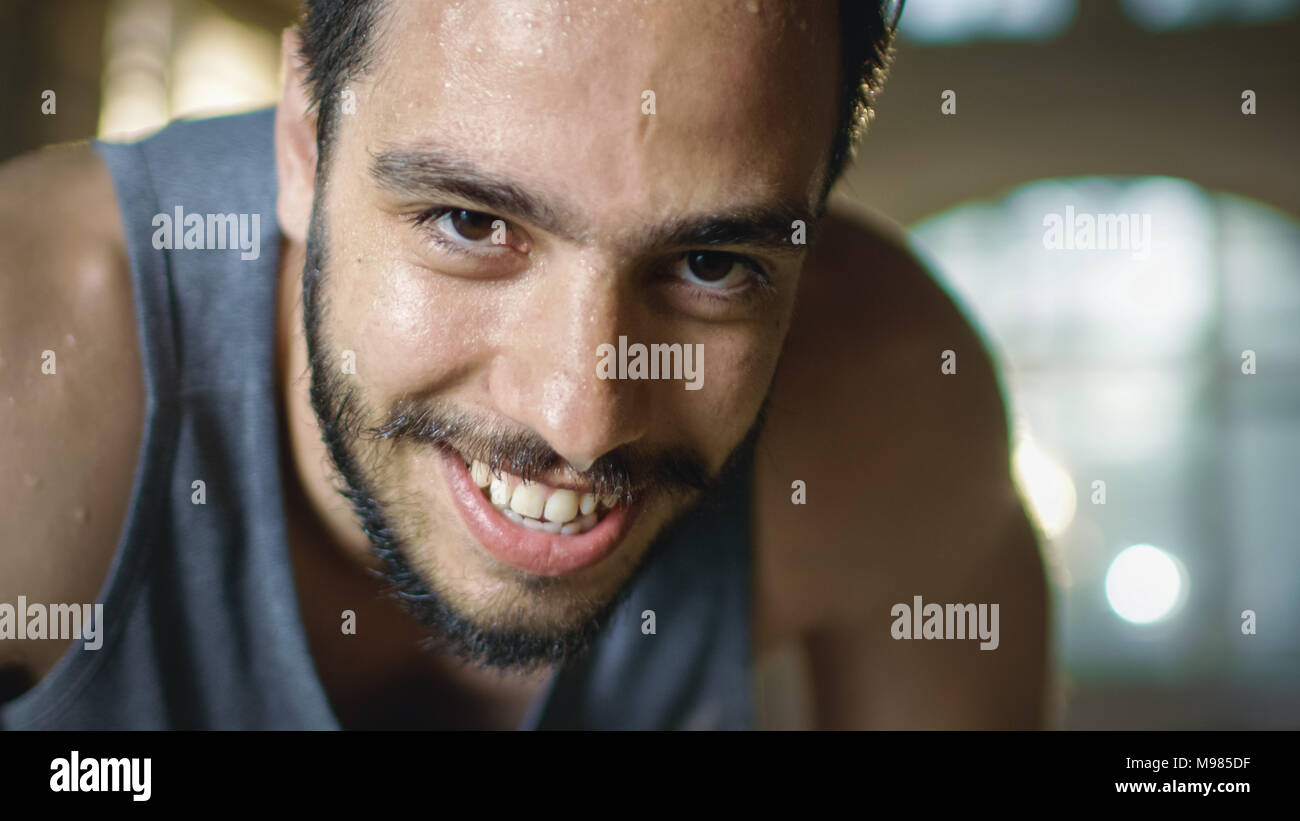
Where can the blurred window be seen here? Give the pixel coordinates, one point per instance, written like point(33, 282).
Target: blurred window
point(958, 21)
point(1123, 364)
point(955, 21)
point(1164, 15)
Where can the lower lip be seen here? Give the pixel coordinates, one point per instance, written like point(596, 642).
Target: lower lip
point(532, 551)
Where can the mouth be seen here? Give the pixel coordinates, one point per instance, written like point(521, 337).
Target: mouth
point(531, 526)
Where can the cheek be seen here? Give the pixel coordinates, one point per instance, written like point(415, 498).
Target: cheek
point(410, 329)
point(737, 373)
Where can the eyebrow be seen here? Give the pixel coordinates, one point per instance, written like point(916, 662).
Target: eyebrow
point(431, 174)
point(766, 226)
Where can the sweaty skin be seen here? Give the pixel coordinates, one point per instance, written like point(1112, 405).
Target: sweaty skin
point(520, 347)
point(907, 471)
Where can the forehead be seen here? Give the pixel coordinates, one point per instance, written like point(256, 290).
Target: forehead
point(554, 94)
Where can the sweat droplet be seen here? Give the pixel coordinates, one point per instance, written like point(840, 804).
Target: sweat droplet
point(79, 515)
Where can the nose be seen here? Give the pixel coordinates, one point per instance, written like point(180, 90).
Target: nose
point(546, 378)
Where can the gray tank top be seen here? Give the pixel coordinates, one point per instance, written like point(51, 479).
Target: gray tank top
point(201, 622)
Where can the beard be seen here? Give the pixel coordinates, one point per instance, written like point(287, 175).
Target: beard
point(357, 438)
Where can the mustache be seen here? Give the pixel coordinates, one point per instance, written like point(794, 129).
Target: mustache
point(627, 471)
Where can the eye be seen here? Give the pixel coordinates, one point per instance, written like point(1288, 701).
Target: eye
point(470, 227)
point(462, 232)
point(717, 270)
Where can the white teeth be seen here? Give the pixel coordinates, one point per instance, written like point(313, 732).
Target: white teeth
point(539, 507)
point(562, 506)
point(500, 492)
point(579, 525)
point(533, 524)
point(529, 500)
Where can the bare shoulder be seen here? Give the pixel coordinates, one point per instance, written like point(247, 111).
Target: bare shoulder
point(905, 471)
point(71, 391)
point(902, 464)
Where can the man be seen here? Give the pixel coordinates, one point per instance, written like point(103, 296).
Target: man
point(484, 512)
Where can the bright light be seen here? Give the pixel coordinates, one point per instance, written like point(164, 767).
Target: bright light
point(135, 70)
point(1046, 486)
point(201, 63)
point(220, 65)
point(1144, 584)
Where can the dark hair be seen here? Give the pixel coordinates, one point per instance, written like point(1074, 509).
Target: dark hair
point(337, 36)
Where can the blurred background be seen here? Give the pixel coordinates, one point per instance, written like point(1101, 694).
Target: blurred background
point(1164, 478)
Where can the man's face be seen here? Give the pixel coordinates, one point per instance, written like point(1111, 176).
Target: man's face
point(645, 162)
